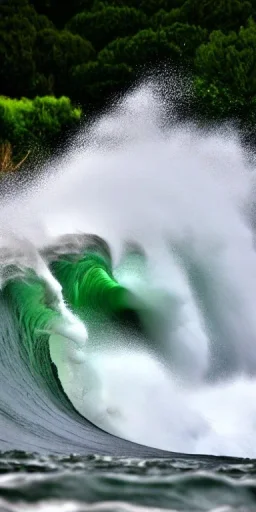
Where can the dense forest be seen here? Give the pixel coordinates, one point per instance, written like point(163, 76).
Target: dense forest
point(60, 60)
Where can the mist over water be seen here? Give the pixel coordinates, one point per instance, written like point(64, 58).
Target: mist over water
point(137, 176)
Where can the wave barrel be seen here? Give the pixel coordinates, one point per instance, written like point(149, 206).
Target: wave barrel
point(89, 286)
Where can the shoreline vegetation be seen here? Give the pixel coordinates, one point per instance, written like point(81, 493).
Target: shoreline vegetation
point(60, 64)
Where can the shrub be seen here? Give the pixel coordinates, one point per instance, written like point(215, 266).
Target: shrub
point(40, 122)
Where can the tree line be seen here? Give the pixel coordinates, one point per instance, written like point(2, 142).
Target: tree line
point(90, 50)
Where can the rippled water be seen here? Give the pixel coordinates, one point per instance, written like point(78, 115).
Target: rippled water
point(30, 482)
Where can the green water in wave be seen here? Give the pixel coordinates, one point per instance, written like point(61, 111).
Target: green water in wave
point(88, 287)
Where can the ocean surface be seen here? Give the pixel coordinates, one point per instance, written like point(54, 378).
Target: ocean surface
point(97, 483)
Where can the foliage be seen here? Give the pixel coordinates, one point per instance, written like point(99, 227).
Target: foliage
point(61, 12)
point(216, 103)
point(56, 52)
point(187, 37)
point(164, 18)
point(107, 24)
point(217, 14)
point(35, 57)
point(97, 80)
point(226, 83)
point(25, 123)
point(230, 61)
point(20, 10)
point(152, 6)
point(17, 70)
point(91, 50)
point(143, 48)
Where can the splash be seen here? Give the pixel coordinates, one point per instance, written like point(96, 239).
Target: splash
point(167, 205)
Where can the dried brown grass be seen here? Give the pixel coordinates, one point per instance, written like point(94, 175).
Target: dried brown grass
point(7, 163)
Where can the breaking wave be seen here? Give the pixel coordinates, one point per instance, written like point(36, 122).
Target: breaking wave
point(128, 293)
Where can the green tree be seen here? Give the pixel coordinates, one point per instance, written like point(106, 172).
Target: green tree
point(95, 82)
point(148, 6)
point(146, 47)
point(103, 26)
point(19, 23)
point(163, 18)
point(23, 10)
point(215, 102)
point(217, 14)
point(56, 52)
point(187, 37)
point(230, 61)
point(61, 12)
point(153, 6)
point(226, 69)
point(17, 70)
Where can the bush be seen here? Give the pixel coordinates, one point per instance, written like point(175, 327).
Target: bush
point(40, 122)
